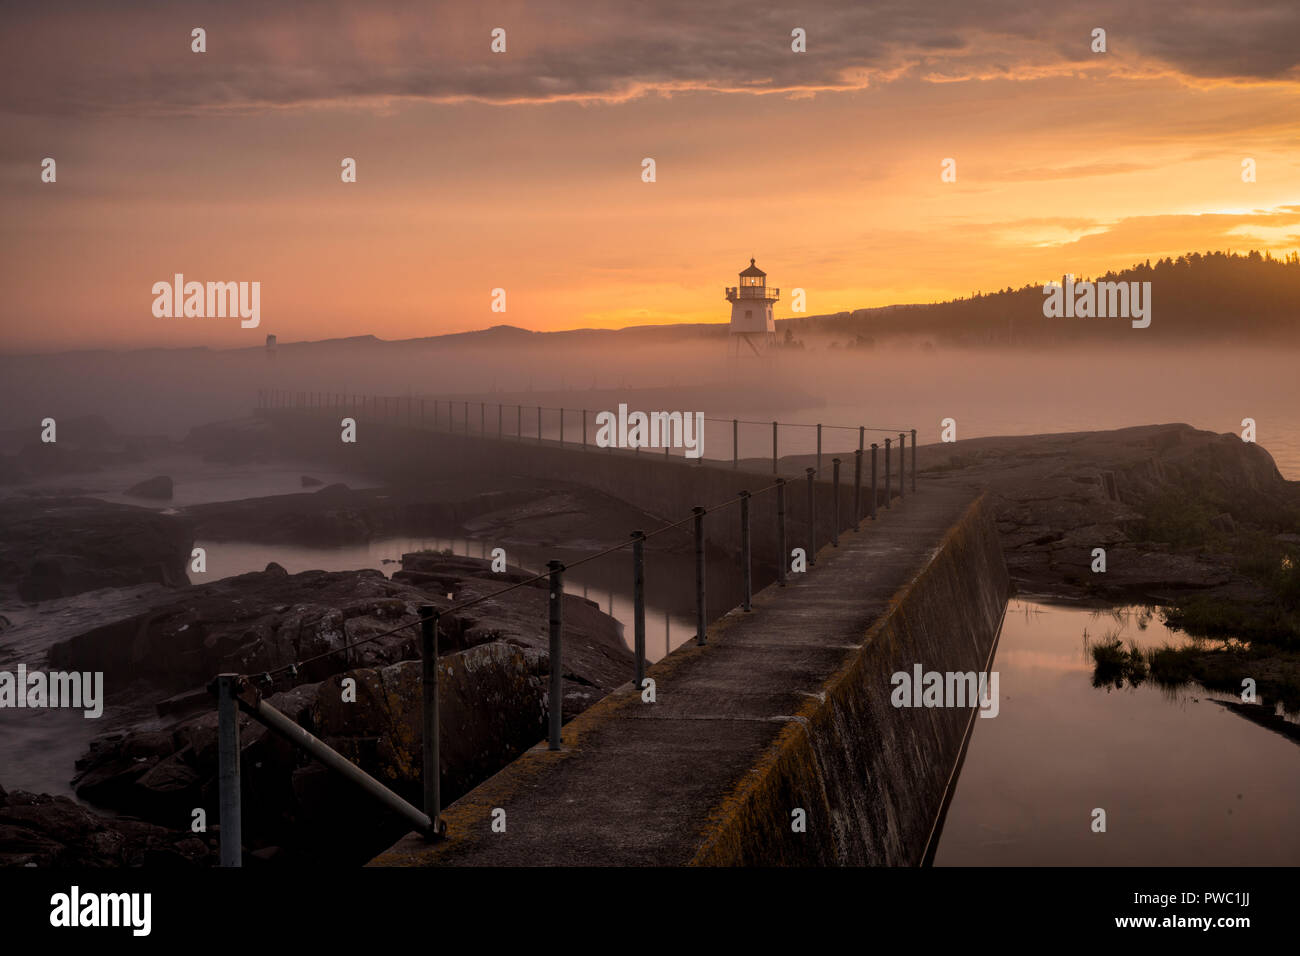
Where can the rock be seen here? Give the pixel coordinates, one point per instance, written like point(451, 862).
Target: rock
point(336, 514)
point(383, 729)
point(160, 486)
point(493, 706)
point(44, 830)
point(594, 650)
point(236, 624)
point(330, 516)
point(232, 625)
point(1153, 496)
point(1223, 522)
point(56, 547)
point(310, 482)
point(84, 444)
point(186, 702)
point(493, 692)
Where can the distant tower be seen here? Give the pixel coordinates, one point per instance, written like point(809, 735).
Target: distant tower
point(270, 346)
point(751, 312)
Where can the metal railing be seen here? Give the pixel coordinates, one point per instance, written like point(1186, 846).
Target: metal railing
point(243, 692)
point(732, 293)
point(571, 426)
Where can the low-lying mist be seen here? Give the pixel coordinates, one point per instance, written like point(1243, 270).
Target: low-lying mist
point(898, 384)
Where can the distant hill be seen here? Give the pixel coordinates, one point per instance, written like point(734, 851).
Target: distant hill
point(1197, 297)
point(510, 335)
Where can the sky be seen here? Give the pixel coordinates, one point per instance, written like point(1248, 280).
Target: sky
point(523, 170)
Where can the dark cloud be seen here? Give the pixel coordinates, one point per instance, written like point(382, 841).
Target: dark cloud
point(79, 58)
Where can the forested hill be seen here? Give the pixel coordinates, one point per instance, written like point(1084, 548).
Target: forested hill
point(1198, 297)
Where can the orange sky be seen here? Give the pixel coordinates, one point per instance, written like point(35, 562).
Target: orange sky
point(523, 170)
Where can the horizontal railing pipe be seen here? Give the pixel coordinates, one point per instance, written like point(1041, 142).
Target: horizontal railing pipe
point(282, 726)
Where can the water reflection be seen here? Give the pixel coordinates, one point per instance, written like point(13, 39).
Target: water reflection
point(1183, 780)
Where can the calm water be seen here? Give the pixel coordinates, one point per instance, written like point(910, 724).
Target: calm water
point(1182, 780)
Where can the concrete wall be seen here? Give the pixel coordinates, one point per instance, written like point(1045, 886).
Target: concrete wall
point(874, 778)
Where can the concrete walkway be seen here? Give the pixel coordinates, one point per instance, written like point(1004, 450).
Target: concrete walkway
point(637, 783)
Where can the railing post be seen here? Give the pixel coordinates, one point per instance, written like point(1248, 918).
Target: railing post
point(735, 443)
point(857, 489)
point(700, 623)
point(774, 455)
point(781, 556)
point(482, 418)
point(519, 423)
point(819, 448)
point(874, 449)
point(421, 413)
point(889, 475)
point(228, 770)
point(835, 505)
point(913, 461)
point(902, 463)
point(584, 428)
point(539, 424)
point(556, 715)
point(501, 427)
point(748, 604)
point(561, 424)
point(465, 419)
point(638, 604)
point(812, 518)
point(432, 732)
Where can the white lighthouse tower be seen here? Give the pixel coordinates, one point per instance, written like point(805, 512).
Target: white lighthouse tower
point(752, 323)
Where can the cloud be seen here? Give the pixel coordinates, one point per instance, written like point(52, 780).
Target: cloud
point(94, 58)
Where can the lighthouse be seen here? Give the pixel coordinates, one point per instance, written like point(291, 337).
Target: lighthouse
point(752, 323)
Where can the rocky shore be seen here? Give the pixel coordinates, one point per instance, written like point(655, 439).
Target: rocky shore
point(1170, 504)
point(54, 547)
point(1201, 524)
point(1191, 520)
point(494, 693)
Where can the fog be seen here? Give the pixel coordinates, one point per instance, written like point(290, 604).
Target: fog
point(892, 385)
